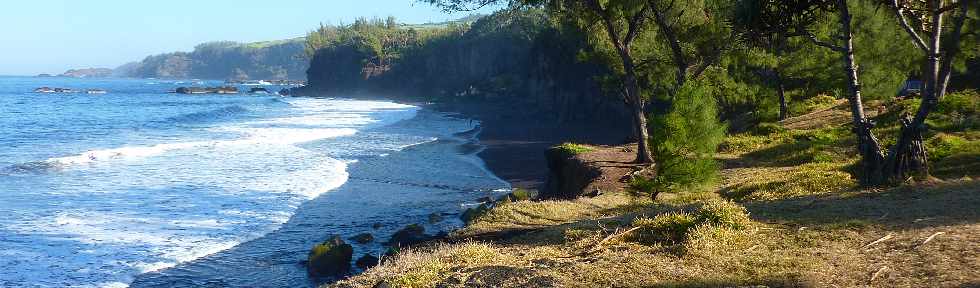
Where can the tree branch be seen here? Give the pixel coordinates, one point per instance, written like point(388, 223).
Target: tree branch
point(946, 69)
point(899, 12)
point(813, 38)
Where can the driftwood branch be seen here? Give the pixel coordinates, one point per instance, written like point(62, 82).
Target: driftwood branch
point(882, 239)
point(933, 236)
point(598, 245)
point(878, 273)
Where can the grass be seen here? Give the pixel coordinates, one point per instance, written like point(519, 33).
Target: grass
point(787, 213)
point(574, 149)
point(816, 103)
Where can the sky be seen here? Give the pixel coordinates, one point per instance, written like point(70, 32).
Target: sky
point(52, 36)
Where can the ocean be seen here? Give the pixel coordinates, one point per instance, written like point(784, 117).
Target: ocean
point(145, 188)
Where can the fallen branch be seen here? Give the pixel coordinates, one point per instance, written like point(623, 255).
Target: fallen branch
point(931, 237)
point(878, 273)
point(598, 245)
point(882, 239)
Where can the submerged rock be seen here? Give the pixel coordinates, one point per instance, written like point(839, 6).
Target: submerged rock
point(435, 218)
point(366, 261)
point(363, 238)
point(330, 258)
point(408, 236)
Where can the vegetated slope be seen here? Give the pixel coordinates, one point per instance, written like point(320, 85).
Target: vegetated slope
point(786, 213)
point(282, 59)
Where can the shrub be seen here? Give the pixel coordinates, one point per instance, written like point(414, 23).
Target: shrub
point(686, 139)
point(642, 186)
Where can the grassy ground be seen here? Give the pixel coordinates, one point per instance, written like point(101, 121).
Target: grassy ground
point(787, 213)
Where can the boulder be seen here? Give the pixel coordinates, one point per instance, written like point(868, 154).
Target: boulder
point(366, 261)
point(363, 238)
point(330, 258)
point(408, 236)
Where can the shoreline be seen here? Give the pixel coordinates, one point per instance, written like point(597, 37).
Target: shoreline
point(404, 187)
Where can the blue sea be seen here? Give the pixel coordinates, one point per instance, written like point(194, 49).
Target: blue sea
point(145, 188)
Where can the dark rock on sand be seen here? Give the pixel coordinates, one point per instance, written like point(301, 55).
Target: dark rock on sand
point(363, 238)
point(331, 258)
point(366, 261)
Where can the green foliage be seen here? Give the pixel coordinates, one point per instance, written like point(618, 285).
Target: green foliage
point(573, 148)
point(685, 139)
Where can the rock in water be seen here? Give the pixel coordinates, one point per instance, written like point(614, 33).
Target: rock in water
point(366, 261)
point(408, 236)
point(363, 238)
point(330, 258)
point(435, 218)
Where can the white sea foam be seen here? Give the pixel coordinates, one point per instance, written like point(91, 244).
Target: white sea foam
point(136, 209)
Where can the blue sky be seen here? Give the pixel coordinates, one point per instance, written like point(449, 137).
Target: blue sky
point(51, 36)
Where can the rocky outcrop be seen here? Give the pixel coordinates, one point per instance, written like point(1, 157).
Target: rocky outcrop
point(88, 73)
point(330, 258)
point(410, 235)
point(207, 90)
point(568, 175)
point(363, 238)
point(366, 261)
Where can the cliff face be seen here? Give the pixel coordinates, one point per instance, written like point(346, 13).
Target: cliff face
point(538, 78)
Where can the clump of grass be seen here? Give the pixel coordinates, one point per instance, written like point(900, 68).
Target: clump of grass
point(573, 148)
point(806, 179)
point(674, 227)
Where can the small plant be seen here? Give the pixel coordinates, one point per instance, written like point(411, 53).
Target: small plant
point(573, 148)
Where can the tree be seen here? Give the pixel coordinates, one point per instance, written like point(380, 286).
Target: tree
point(620, 25)
point(908, 156)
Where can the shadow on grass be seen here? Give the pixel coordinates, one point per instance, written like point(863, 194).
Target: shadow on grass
point(919, 205)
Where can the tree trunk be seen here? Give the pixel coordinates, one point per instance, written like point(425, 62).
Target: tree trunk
point(643, 155)
point(868, 146)
point(781, 91)
point(908, 158)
